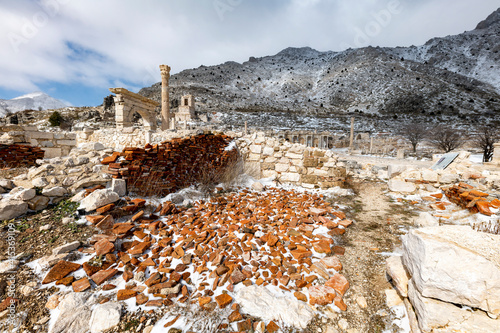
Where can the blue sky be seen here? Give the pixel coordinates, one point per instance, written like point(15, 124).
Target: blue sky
point(76, 49)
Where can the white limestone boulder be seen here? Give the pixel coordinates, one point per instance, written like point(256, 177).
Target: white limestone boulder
point(10, 209)
point(105, 316)
point(396, 185)
point(98, 199)
point(455, 264)
point(57, 191)
point(25, 194)
point(7, 184)
point(75, 311)
point(395, 269)
point(39, 182)
point(441, 317)
point(425, 219)
point(119, 186)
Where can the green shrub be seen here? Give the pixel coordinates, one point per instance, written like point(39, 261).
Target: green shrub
point(55, 119)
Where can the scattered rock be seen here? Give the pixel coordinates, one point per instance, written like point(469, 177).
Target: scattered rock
point(396, 185)
point(98, 199)
point(66, 248)
point(105, 316)
point(10, 209)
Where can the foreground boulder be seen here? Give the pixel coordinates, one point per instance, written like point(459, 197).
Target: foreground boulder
point(455, 264)
point(10, 209)
point(441, 317)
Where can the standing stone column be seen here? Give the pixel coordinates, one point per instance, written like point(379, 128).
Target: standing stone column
point(165, 101)
point(351, 139)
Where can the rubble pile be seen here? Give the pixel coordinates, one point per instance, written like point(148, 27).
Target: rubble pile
point(170, 166)
point(207, 253)
point(14, 155)
point(466, 196)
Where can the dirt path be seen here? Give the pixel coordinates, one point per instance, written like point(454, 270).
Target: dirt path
point(376, 230)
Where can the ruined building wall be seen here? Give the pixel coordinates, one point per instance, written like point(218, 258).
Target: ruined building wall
point(290, 163)
point(54, 144)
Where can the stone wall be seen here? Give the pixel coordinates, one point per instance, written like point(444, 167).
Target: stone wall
point(54, 144)
point(118, 139)
point(290, 163)
point(15, 155)
point(173, 165)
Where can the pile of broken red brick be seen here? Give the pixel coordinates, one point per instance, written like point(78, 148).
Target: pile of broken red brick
point(466, 196)
point(276, 238)
point(172, 165)
point(15, 155)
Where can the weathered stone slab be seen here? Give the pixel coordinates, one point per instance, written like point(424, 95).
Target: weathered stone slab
point(455, 264)
point(441, 317)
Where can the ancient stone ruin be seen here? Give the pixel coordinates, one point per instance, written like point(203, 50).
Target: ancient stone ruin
point(127, 103)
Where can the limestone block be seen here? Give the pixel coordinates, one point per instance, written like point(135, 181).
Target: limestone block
point(290, 177)
point(297, 149)
point(269, 174)
point(40, 135)
point(395, 269)
point(449, 178)
point(267, 166)
point(297, 162)
point(455, 264)
point(52, 152)
point(268, 151)
point(70, 136)
point(284, 160)
point(98, 199)
point(253, 157)
point(33, 142)
point(293, 168)
point(119, 186)
point(441, 317)
point(394, 170)
point(426, 219)
point(48, 144)
point(429, 175)
point(396, 185)
point(282, 167)
point(319, 153)
point(320, 172)
point(256, 149)
point(291, 155)
point(309, 179)
point(310, 162)
point(66, 142)
point(270, 160)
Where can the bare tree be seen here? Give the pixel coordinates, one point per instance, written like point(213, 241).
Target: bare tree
point(446, 138)
point(485, 138)
point(415, 133)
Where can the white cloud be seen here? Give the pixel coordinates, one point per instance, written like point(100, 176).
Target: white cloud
point(122, 42)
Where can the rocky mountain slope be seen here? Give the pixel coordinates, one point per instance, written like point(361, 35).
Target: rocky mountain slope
point(455, 75)
point(32, 101)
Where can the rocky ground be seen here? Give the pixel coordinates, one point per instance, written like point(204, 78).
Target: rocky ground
point(245, 255)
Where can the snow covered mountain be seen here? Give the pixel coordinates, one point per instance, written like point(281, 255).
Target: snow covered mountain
point(32, 101)
point(455, 75)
